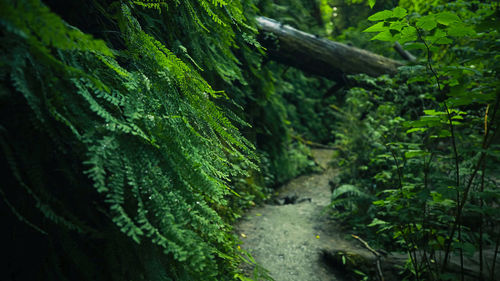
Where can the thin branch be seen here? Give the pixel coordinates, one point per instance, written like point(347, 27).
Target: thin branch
point(497, 243)
point(457, 168)
point(486, 142)
point(377, 255)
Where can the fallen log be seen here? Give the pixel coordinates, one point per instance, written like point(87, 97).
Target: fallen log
point(404, 53)
point(391, 264)
point(318, 55)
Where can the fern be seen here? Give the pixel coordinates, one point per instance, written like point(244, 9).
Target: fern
point(350, 198)
point(152, 4)
point(53, 31)
point(210, 12)
point(134, 148)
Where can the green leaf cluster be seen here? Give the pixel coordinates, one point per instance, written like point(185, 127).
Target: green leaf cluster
point(128, 140)
point(438, 154)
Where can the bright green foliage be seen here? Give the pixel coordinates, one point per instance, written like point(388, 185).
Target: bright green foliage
point(367, 121)
point(138, 115)
point(433, 159)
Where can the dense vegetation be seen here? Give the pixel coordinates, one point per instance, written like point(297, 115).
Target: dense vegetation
point(133, 133)
point(121, 141)
point(421, 165)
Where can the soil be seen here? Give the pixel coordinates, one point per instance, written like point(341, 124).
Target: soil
point(288, 234)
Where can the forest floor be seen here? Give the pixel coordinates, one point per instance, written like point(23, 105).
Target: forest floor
point(288, 235)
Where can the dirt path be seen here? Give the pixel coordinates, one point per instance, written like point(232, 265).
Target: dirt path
point(287, 239)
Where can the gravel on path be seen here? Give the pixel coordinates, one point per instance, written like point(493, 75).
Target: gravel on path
point(287, 239)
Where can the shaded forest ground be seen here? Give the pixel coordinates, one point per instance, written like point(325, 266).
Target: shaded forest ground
point(288, 235)
point(293, 238)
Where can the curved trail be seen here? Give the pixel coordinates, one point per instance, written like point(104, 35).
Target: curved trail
point(287, 239)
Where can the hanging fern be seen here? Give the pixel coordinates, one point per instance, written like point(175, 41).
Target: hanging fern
point(130, 145)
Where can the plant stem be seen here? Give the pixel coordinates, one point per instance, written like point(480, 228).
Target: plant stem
point(495, 258)
point(461, 252)
point(481, 204)
point(400, 176)
point(412, 253)
point(457, 168)
point(424, 219)
point(485, 145)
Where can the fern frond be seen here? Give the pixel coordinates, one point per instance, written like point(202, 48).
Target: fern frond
point(54, 32)
point(349, 197)
point(206, 6)
point(157, 149)
point(152, 4)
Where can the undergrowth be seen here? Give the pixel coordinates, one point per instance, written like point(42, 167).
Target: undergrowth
point(423, 146)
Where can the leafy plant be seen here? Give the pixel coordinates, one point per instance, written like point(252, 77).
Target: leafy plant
point(350, 199)
point(443, 162)
point(121, 150)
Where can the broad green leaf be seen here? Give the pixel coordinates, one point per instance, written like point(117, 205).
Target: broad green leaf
point(417, 79)
point(469, 70)
point(442, 134)
point(415, 46)
point(379, 26)
point(359, 272)
point(457, 111)
point(384, 36)
point(397, 25)
point(430, 121)
point(377, 221)
point(385, 156)
point(371, 3)
point(434, 48)
point(433, 112)
point(426, 22)
point(409, 124)
point(416, 130)
point(383, 15)
point(452, 82)
point(443, 41)
point(439, 37)
point(408, 34)
point(447, 18)
point(242, 277)
point(399, 12)
point(448, 203)
point(415, 153)
point(461, 100)
point(460, 30)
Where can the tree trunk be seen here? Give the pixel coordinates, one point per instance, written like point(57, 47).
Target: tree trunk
point(318, 55)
